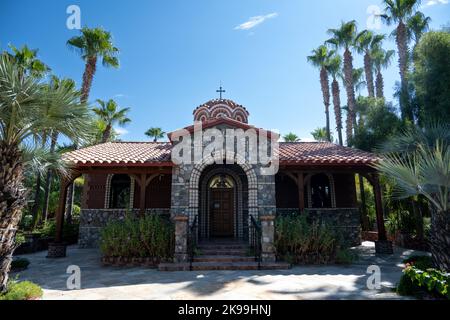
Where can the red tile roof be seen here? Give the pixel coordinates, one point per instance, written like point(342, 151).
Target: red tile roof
point(323, 153)
point(154, 153)
point(121, 153)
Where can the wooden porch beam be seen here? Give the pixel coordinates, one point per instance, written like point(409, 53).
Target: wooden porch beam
point(379, 208)
point(301, 191)
point(143, 188)
point(64, 184)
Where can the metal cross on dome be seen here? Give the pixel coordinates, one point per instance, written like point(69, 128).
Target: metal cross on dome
point(220, 91)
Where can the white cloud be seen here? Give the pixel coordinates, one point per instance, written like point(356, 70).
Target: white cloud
point(430, 3)
point(254, 21)
point(121, 131)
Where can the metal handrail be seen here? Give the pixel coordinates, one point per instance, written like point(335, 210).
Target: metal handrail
point(192, 241)
point(255, 239)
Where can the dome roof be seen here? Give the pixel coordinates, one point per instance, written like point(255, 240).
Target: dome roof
point(217, 108)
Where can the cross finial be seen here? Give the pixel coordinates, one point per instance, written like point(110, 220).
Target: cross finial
point(220, 91)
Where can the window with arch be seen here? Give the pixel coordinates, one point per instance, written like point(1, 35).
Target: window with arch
point(120, 191)
point(320, 191)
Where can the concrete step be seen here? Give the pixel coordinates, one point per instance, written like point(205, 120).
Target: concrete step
point(210, 246)
point(204, 266)
point(222, 252)
point(225, 258)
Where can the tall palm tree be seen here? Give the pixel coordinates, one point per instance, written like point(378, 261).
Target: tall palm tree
point(291, 137)
point(155, 133)
point(417, 25)
point(365, 42)
point(320, 58)
point(334, 69)
point(110, 114)
point(419, 161)
point(93, 44)
point(381, 59)
point(27, 60)
point(344, 37)
point(399, 11)
point(23, 117)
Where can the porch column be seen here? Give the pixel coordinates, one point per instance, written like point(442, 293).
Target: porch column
point(267, 238)
point(181, 234)
point(143, 185)
point(57, 249)
point(382, 246)
point(301, 192)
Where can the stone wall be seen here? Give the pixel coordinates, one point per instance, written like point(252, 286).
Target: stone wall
point(93, 220)
point(345, 220)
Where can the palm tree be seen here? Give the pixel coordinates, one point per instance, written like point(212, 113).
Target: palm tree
point(344, 37)
point(365, 42)
point(334, 68)
point(27, 60)
point(381, 59)
point(93, 44)
point(320, 58)
point(155, 133)
point(110, 114)
point(419, 161)
point(320, 134)
point(291, 137)
point(23, 117)
point(417, 25)
point(399, 11)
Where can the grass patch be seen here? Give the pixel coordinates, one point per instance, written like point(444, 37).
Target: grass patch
point(24, 290)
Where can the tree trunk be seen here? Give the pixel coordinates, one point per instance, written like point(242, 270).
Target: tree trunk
point(380, 85)
point(337, 109)
point(402, 45)
point(69, 203)
point(418, 220)
point(326, 98)
point(49, 177)
point(106, 133)
point(440, 239)
point(88, 75)
point(12, 201)
point(348, 77)
point(369, 74)
point(37, 195)
point(364, 217)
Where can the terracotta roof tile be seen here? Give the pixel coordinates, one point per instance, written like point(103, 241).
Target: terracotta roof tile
point(121, 153)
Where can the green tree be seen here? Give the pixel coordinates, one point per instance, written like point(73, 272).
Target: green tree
point(23, 116)
point(27, 60)
point(344, 37)
point(291, 137)
point(417, 25)
point(399, 11)
point(419, 161)
point(320, 134)
point(155, 133)
point(93, 44)
point(110, 114)
point(334, 69)
point(320, 58)
point(432, 77)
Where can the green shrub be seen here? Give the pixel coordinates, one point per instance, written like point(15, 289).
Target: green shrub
point(20, 239)
point(48, 230)
point(420, 262)
point(24, 290)
point(431, 280)
point(19, 264)
point(346, 256)
point(305, 242)
point(149, 236)
point(406, 287)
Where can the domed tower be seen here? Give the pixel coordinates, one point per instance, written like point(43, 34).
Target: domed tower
point(218, 108)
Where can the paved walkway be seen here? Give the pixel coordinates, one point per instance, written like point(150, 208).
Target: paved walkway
point(309, 282)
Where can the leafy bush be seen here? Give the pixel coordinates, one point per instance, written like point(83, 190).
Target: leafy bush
point(346, 256)
point(420, 262)
point(19, 264)
point(304, 242)
point(24, 290)
point(48, 230)
point(149, 236)
point(432, 281)
point(20, 238)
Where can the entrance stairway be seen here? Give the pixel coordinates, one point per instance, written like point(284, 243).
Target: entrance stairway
point(223, 255)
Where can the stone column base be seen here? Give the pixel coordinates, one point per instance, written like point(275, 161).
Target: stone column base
point(267, 238)
point(383, 247)
point(56, 250)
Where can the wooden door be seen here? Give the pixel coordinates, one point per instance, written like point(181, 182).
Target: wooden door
point(222, 212)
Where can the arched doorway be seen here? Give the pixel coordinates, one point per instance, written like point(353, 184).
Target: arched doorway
point(221, 205)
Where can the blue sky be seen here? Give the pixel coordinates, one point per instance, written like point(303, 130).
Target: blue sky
point(175, 53)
